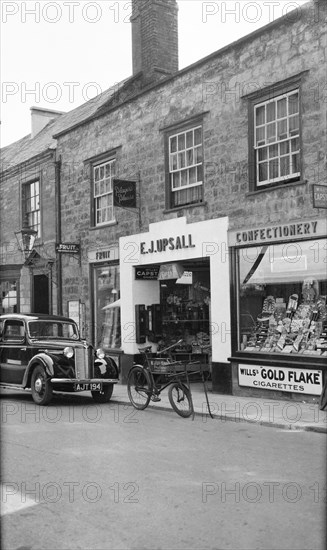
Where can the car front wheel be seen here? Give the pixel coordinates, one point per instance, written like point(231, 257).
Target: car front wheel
point(103, 396)
point(41, 386)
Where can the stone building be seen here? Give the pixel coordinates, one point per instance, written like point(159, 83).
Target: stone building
point(196, 199)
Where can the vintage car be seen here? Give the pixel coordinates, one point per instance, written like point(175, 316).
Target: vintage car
point(44, 353)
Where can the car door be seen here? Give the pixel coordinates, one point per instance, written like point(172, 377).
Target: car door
point(13, 352)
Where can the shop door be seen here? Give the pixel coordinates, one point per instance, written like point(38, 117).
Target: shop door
point(40, 294)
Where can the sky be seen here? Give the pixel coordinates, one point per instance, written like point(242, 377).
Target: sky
point(59, 54)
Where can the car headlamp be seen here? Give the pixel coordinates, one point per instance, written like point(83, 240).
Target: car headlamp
point(100, 353)
point(69, 352)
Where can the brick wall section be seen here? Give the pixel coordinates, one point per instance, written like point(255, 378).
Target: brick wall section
point(154, 37)
point(214, 87)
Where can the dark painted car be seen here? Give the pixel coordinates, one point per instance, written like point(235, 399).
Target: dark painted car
point(45, 353)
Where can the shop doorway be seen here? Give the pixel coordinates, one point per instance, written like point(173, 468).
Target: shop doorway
point(40, 294)
point(185, 307)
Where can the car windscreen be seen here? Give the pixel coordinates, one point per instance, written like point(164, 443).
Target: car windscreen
point(61, 330)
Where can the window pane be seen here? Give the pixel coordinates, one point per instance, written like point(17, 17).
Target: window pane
point(199, 173)
point(282, 129)
point(260, 115)
point(184, 178)
point(273, 169)
point(284, 166)
point(284, 148)
point(189, 157)
point(294, 124)
point(198, 155)
point(181, 142)
point(198, 136)
point(263, 171)
point(181, 160)
point(271, 111)
point(271, 132)
point(173, 162)
point(273, 151)
point(192, 175)
point(293, 103)
point(295, 144)
point(189, 139)
point(282, 108)
point(176, 180)
point(96, 174)
point(262, 153)
point(173, 144)
point(261, 134)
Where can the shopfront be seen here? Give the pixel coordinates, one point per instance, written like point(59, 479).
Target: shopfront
point(105, 280)
point(175, 285)
point(279, 344)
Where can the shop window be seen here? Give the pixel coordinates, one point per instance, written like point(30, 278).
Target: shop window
point(275, 135)
point(282, 295)
point(103, 175)
point(185, 160)
point(31, 206)
point(107, 306)
point(8, 293)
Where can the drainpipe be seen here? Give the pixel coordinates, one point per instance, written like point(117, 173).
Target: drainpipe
point(58, 233)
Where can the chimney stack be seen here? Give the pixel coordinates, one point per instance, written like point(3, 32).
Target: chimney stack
point(154, 38)
point(41, 117)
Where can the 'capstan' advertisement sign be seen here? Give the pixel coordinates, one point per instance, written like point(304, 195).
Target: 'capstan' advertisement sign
point(281, 378)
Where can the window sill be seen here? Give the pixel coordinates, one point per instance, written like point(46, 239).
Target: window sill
point(275, 187)
point(188, 206)
point(104, 226)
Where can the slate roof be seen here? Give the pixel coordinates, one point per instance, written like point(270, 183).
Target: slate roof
point(27, 148)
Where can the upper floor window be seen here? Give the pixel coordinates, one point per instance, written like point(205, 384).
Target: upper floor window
point(186, 167)
point(103, 175)
point(31, 206)
point(277, 139)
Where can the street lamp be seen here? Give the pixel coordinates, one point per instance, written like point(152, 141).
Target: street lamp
point(25, 239)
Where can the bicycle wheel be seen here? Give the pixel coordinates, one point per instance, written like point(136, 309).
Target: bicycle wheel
point(180, 399)
point(139, 387)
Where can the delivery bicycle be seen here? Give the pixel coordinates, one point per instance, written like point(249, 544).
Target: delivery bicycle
point(160, 371)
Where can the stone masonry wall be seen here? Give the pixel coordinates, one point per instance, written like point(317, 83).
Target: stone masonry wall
point(214, 87)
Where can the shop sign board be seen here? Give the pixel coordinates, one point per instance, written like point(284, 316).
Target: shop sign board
point(103, 254)
point(319, 196)
point(147, 273)
point(68, 248)
point(124, 193)
point(295, 380)
point(277, 233)
point(170, 243)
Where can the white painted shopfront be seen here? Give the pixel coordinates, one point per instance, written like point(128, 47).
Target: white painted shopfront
point(176, 244)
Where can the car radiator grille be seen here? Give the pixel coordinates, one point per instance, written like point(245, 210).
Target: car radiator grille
point(82, 363)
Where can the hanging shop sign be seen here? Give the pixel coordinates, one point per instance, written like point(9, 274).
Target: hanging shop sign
point(169, 243)
point(319, 196)
point(68, 248)
point(281, 379)
point(147, 273)
point(170, 271)
point(124, 193)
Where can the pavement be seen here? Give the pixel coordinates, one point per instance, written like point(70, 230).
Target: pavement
point(289, 415)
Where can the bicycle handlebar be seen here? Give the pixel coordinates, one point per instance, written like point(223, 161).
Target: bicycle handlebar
point(170, 347)
point(149, 348)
